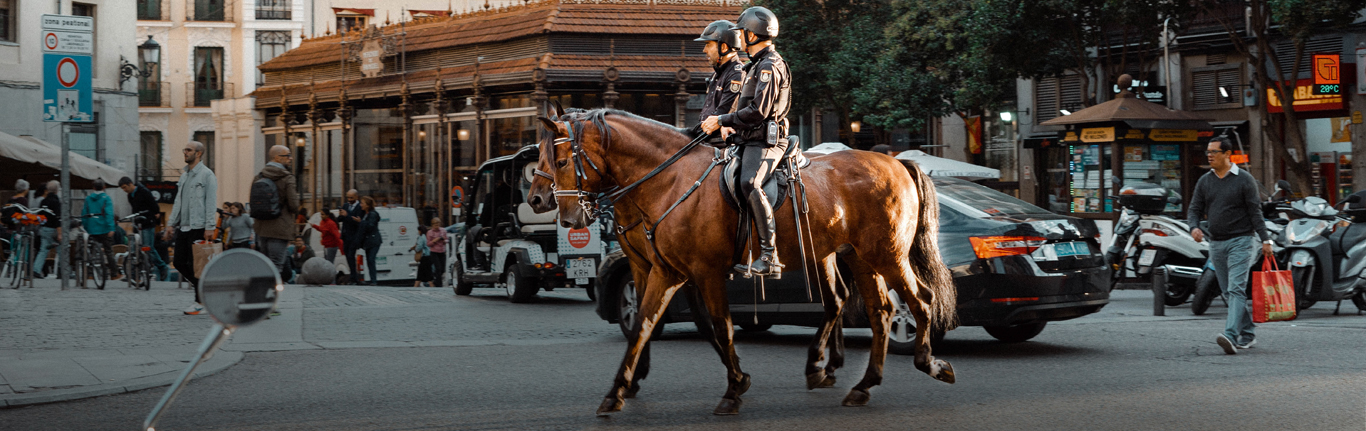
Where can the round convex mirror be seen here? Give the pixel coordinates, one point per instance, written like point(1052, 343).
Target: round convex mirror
point(240, 287)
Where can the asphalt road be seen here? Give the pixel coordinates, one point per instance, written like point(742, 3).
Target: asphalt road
point(1119, 369)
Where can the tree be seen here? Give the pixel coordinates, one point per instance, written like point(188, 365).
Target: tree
point(1266, 20)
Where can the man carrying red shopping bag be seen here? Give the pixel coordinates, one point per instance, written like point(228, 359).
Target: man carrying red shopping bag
point(1273, 293)
point(1228, 197)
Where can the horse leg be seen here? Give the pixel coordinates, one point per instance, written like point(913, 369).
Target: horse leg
point(701, 317)
point(919, 300)
point(718, 306)
point(817, 376)
point(870, 286)
point(658, 289)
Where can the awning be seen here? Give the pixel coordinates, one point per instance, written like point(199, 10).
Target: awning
point(941, 167)
point(36, 161)
point(353, 11)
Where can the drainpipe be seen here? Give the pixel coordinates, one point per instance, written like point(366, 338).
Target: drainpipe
point(1166, 60)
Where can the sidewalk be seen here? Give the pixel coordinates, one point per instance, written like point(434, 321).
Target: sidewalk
point(64, 345)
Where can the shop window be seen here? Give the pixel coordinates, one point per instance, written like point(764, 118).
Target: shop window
point(511, 101)
point(658, 107)
point(1090, 168)
point(8, 9)
point(578, 100)
point(149, 160)
point(507, 135)
point(1158, 164)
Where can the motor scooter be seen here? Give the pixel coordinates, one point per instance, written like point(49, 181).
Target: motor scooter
point(1326, 250)
point(1144, 239)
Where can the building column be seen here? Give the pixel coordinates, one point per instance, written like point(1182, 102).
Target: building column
point(681, 97)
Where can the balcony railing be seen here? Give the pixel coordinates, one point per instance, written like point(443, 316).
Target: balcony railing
point(200, 97)
point(209, 10)
point(154, 94)
point(272, 9)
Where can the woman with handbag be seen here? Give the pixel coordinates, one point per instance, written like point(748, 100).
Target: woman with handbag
point(424, 270)
point(370, 237)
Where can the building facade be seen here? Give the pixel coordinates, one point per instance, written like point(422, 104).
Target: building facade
point(112, 137)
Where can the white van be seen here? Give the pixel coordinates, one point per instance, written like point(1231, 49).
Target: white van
point(398, 233)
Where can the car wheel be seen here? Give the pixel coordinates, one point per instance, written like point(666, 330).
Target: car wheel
point(901, 333)
point(456, 278)
point(592, 289)
point(1016, 333)
point(1303, 279)
point(628, 311)
point(1206, 289)
point(520, 288)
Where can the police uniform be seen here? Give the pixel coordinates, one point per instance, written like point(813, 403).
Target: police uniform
point(722, 88)
point(760, 123)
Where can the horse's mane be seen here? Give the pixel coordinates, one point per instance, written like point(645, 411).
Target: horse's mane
point(598, 118)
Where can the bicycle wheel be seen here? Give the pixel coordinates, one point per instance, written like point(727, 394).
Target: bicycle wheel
point(19, 262)
point(130, 270)
point(98, 272)
point(145, 270)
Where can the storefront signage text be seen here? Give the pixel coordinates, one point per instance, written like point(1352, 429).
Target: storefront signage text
point(1134, 134)
point(1173, 135)
point(1305, 99)
point(1099, 134)
point(372, 58)
point(1327, 74)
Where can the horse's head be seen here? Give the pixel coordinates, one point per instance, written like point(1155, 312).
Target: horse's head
point(569, 172)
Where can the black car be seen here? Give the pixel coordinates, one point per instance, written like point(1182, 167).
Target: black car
point(1017, 267)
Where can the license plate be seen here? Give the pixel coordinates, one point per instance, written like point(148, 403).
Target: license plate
point(1146, 259)
point(581, 268)
point(1077, 248)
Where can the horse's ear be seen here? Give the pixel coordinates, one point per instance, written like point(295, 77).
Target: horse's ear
point(559, 110)
point(550, 125)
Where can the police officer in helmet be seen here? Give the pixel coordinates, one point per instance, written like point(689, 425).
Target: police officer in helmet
point(759, 121)
point(723, 86)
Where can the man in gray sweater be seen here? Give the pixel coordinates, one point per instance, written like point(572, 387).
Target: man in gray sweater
point(1228, 197)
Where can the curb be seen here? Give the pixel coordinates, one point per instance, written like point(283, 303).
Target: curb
point(220, 361)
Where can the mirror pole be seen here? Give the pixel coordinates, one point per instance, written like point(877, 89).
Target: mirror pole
point(216, 337)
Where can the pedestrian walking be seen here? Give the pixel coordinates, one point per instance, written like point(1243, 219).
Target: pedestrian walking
point(97, 217)
point(370, 238)
point(192, 216)
point(238, 225)
point(1227, 196)
point(51, 229)
point(424, 261)
point(351, 215)
point(140, 198)
point(274, 202)
point(436, 244)
point(330, 235)
point(299, 254)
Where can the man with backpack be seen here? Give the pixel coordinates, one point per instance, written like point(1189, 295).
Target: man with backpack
point(274, 202)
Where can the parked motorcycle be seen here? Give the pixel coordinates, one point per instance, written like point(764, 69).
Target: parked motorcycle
point(1144, 239)
point(1326, 250)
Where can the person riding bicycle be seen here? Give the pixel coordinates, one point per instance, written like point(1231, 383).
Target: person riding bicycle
point(140, 198)
point(759, 121)
point(100, 226)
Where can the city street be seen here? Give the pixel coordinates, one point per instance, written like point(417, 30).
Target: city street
point(421, 358)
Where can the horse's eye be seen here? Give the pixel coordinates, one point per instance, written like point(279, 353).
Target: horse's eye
point(561, 163)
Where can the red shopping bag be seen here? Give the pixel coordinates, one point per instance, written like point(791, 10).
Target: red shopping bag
point(1273, 294)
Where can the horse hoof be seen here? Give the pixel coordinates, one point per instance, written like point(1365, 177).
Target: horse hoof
point(630, 391)
point(727, 407)
point(856, 398)
point(819, 379)
point(943, 371)
point(609, 405)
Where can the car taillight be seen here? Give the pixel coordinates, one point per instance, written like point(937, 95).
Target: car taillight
point(997, 246)
point(550, 265)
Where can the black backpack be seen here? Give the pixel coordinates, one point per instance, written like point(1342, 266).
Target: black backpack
point(265, 200)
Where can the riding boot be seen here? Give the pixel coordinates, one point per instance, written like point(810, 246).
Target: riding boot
point(767, 263)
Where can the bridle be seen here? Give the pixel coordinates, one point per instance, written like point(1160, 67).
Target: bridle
point(592, 202)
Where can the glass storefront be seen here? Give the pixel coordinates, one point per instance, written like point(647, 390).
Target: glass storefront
point(377, 166)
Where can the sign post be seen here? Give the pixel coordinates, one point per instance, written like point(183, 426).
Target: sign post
point(68, 44)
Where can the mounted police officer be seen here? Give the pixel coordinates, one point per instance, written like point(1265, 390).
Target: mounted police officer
point(723, 86)
point(759, 121)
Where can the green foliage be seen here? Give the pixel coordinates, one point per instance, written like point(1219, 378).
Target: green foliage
point(1300, 19)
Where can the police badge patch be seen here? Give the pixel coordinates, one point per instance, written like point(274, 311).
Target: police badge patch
point(765, 76)
point(735, 86)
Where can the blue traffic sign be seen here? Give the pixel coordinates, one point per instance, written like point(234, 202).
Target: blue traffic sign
point(66, 88)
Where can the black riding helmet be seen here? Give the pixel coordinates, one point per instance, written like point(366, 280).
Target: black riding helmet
point(720, 32)
point(760, 21)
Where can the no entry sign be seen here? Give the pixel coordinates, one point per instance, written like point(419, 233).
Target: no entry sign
point(67, 47)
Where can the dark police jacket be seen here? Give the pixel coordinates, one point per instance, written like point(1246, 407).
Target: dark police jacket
point(722, 88)
point(766, 95)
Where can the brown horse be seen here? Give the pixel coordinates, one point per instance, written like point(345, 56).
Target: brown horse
point(876, 212)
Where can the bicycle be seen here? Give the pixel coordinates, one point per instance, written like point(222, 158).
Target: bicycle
point(137, 264)
point(18, 265)
point(88, 259)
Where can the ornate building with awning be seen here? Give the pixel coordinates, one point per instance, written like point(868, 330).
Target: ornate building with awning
point(403, 112)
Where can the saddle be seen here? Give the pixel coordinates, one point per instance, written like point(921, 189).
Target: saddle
point(776, 186)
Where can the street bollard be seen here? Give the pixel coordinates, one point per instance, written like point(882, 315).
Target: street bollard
point(1160, 291)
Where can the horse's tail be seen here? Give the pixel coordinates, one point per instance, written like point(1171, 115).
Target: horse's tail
point(926, 263)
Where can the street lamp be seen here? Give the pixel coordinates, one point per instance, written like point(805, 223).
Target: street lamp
point(856, 126)
point(151, 54)
point(1007, 116)
point(463, 134)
